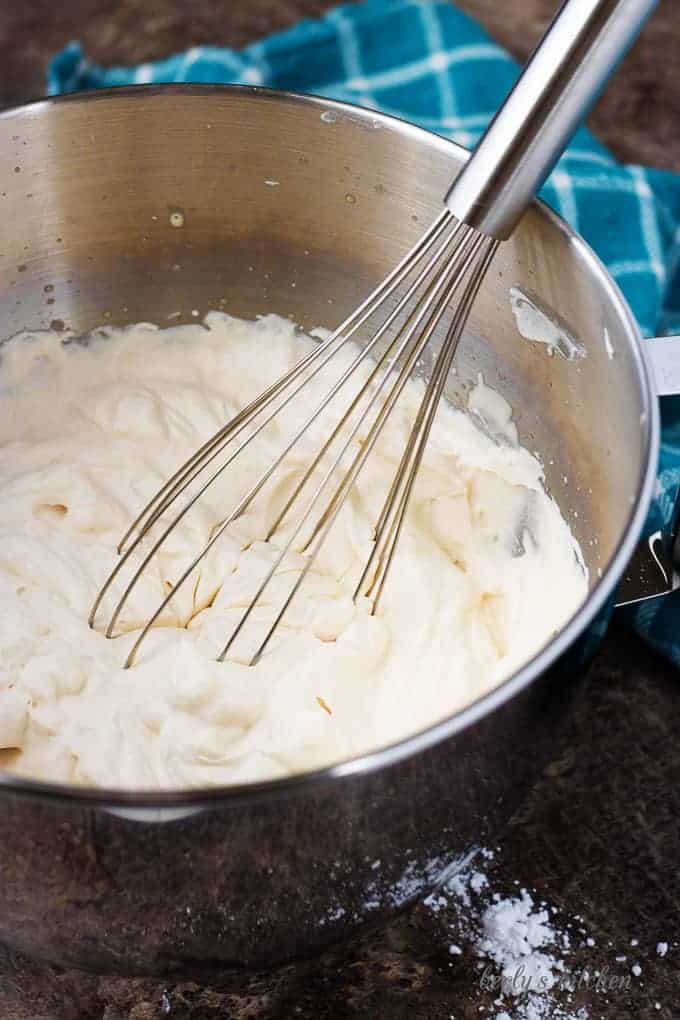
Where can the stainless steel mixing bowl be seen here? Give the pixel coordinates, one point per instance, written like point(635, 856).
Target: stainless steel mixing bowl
point(276, 190)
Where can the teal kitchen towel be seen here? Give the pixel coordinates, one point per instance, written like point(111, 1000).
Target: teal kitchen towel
point(429, 63)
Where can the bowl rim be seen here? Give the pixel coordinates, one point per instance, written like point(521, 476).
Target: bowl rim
point(197, 798)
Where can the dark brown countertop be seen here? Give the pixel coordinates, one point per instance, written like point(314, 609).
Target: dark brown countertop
point(600, 834)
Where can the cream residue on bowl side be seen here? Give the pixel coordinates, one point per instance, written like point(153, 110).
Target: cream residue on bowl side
point(538, 324)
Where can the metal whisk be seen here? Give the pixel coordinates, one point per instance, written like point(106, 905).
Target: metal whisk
point(436, 282)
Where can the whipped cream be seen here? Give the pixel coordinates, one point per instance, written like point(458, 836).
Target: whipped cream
point(485, 573)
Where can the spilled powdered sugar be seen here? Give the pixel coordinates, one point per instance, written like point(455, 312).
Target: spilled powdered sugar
point(515, 936)
point(528, 954)
point(522, 952)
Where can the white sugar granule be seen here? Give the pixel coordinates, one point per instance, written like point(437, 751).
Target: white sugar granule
point(661, 948)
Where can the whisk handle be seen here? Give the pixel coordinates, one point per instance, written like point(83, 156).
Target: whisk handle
point(525, 139)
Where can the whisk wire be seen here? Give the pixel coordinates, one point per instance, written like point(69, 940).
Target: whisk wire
point(445, 259)
point(261, 482)
point(214, 446)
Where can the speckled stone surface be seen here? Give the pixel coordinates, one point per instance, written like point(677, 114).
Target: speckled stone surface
point(600, 834)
